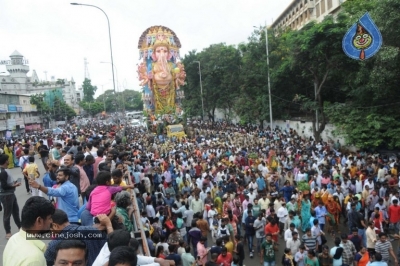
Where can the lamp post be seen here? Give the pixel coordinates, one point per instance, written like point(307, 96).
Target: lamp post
point(201, 87)
point(269, 82)
point(109, 37)
point(116, 71)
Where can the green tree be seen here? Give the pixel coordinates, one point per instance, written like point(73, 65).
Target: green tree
point(129, 100)
point(316, 60)
point(92, 108)
point(41, 105)
point(369, 117)
point(61, 110)
point(88, 90)
point(60, 82)
point(220, 68)
point(132, 100)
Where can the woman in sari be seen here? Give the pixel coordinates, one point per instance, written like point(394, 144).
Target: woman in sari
point(333, 215)
point(8, 150)
point(16, 158)
point(305, 212)
point(324, 194)
point(233, 220)
point(226, 206)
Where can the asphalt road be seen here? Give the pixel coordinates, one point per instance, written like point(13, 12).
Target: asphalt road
point(22, 196)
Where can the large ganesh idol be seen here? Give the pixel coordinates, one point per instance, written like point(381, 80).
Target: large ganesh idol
point(160, 72)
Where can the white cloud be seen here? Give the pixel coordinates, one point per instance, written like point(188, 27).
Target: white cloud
point(56, 36)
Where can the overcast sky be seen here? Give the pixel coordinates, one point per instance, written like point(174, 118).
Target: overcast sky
point(56, 36)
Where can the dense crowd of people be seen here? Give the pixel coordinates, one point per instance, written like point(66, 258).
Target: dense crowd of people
point(223, 193)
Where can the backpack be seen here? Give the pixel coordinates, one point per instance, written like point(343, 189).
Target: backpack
point(24, 162)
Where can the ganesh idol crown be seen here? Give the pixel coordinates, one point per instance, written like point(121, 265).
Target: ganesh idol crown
point(161, 74)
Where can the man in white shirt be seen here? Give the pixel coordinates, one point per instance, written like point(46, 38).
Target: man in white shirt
point(370, 183)
point(282, 214)
point(289, 232)
point(210, 215)
point(300, 256)
point(197, 205)
point(259, 225)
point(293, 242)
point(117, 239)
point(300, 176)
point(252, 195)
point(394, 197)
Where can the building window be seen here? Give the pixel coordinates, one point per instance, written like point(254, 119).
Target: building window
point(317, 10)
point(322, 7)
point(329, 4)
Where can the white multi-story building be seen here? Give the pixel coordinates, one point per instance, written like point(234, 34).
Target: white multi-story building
point(300, 12)
point(18, 82)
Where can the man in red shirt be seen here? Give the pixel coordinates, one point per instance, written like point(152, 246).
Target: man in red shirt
point(273, 229)
point(18, 152)
point(394, 215)
point(198, 169)
point(224, 258)
point(393, 181)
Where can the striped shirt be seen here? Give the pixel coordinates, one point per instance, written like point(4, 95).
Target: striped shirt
point(309, 241)
point(383, 248)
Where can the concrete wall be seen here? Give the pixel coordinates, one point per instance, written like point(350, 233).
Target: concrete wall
point(302, 128)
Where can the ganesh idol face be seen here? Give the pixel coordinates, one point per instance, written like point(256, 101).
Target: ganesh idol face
point(162, 53)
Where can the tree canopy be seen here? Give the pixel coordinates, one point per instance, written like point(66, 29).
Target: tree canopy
point(88, 90)
point(311, 77)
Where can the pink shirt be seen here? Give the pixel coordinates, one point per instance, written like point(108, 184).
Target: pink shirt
point(100, 199)
point(202, 253)
point(84, 181)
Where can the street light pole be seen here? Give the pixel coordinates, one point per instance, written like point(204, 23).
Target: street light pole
point(201, 88)
point(122, 100)
point(269, 82)
point(109, 37)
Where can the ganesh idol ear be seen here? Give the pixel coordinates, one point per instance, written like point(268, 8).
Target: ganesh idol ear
point(169, 55)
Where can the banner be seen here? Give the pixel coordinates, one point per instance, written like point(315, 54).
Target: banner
point(12, 108)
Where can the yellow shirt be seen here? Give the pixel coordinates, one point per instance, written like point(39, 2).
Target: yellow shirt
point(229, 246)
point(122, 184)
point(393, 171)
point(31, 169)
point(264, 203)
point(22, 252)
point(346, 200)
